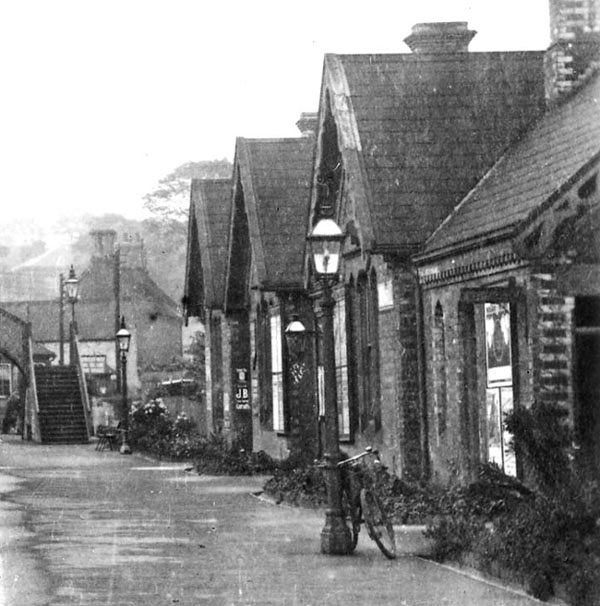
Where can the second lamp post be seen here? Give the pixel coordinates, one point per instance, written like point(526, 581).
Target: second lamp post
point(325, 242)
point(123, 338)
point(71, 286)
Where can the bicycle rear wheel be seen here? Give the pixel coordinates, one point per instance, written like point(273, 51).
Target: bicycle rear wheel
point(378, 525)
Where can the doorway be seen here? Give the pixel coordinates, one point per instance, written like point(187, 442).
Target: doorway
point(587, 380)
point(499, 385)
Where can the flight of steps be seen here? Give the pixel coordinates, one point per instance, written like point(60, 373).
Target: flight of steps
point(61, 416)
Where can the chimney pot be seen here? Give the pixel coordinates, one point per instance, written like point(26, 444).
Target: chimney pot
point(440, 37)
point(308, 123)
point(104, 242)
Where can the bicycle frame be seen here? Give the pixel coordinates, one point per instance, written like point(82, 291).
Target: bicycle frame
point(358, 474)
point(362, 472)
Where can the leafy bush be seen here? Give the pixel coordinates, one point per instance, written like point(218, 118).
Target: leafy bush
point(150, 427)
point(551, 541)
point(13, 417)
point(543, 439)
point(548, 537)
point(303, 486)
point(216, 456)
point(153, 430)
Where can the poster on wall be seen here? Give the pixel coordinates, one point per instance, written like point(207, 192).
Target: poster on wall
point(497, 339)
point(499, 403)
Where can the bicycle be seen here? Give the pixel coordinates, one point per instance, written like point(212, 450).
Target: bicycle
point(361, 503)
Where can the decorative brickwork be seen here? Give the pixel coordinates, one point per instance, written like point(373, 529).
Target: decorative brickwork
point(554, 343)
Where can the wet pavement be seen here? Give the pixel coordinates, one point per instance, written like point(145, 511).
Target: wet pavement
point(80, 527)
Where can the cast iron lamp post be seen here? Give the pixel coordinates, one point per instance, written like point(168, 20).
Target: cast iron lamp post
point(295, 333)
point(71, 286)
point(123, 338)
point(325, 242)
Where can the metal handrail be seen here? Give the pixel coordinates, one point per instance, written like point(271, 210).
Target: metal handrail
point(82, 384)
point(31, 392)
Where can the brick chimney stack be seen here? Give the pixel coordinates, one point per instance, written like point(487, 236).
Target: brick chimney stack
point(574, 51)
point(133, 253)
point(104, 242)
point(308, 123)
point(440, 37)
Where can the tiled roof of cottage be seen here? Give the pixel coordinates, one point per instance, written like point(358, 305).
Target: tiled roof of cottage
point(427, 127)
point(563, 142)
point(208, 235)
point(95, 321)
point(275, 176)
point(97, 284)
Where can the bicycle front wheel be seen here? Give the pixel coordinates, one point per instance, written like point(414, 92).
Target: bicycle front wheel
point(352, 513)
point(378, 525)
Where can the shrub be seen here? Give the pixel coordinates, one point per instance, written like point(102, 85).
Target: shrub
point(549, 537)
point(551, 541)
point(304, 486)
point(543, 439)
point(13, 417)
point(215, 455)
point(150, 427)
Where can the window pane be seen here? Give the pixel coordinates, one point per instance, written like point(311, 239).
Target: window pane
point(342, 393)
point(4, 380)
point(277, 386)
point(497, 334)
point(341, 366)
point(277, 372)
point(510, 461)
point(276, 349)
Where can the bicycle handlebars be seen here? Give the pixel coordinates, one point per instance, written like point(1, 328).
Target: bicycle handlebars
point(368, 451)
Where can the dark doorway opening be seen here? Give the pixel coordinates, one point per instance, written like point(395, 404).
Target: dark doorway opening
point(587, 380)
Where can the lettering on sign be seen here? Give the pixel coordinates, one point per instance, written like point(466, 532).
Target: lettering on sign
point(241, 389)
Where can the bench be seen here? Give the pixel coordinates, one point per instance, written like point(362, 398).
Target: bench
point(107, 436)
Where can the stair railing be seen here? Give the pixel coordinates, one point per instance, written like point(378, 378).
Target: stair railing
point(32, 404)
point(76, 361)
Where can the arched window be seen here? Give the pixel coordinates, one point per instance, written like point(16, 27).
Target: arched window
point(372, 314)
point(440, 396)
point(365, 352)
point(340, 334)
point(276, 334)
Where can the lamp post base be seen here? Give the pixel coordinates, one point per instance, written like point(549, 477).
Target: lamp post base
point(335, 536)
point(125, 449)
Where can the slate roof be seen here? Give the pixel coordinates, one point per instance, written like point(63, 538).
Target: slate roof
point(563, 142)
point(427, 127)
point(276, 176)
point(95, 311)
point(95, 321)
point(208, 236)
point(96, 284)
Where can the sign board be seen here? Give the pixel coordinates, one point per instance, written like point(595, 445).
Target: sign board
point(241, 389)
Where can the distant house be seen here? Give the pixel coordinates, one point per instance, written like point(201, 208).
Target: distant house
point(115, 284)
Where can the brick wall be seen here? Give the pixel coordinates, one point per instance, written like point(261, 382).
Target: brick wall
point(214, 371)
point(406, 355)
point(239, 359)
point(553, 343)
point(301, 437)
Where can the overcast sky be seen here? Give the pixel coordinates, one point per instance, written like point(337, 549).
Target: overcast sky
point(100, 99)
